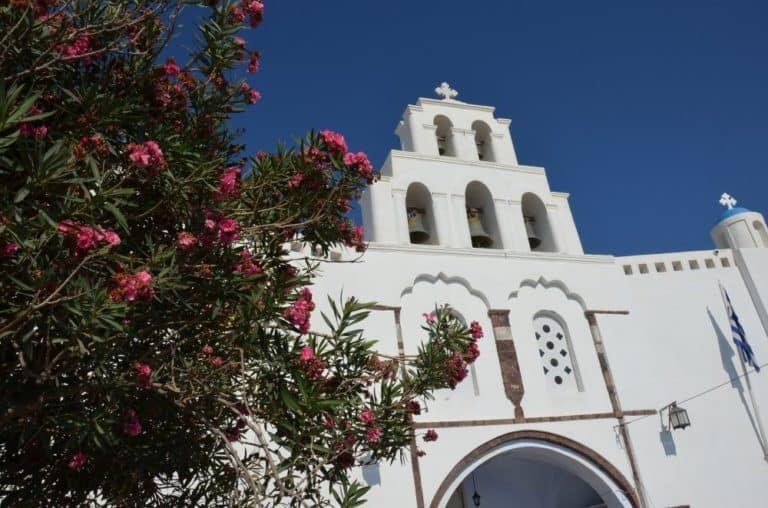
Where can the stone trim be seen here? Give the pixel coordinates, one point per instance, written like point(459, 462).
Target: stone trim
point(530, 419)
point(548, 437)
point(510, 369)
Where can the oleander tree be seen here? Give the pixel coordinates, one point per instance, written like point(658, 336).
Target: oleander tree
point(155, 338)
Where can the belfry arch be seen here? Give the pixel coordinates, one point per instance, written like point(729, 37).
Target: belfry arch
point(552, 463)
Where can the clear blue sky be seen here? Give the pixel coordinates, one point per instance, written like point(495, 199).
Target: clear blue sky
point(645, 113)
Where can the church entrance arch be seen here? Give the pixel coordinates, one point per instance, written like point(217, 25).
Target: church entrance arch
point(534, 469)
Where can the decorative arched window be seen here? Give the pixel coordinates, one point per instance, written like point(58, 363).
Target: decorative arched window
point(541, 238)
point(481, 216)
point(555, 351)
point(483, 141)
point(421, 218)
point(760, 228)
point(444, 137)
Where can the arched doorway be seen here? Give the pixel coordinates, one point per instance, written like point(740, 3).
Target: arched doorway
point(534, 469)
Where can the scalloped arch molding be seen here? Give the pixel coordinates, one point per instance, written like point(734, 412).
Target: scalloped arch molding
point(557, 284)
point(446, 279)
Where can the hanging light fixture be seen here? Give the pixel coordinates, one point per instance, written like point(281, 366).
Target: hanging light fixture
point(678, 416)
point(475, 496)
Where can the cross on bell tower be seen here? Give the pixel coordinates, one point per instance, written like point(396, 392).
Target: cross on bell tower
point(727, 200)
point(446, 91)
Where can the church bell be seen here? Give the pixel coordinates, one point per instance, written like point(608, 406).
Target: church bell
point(479, 237)
point(533, 239)
point(416, 229)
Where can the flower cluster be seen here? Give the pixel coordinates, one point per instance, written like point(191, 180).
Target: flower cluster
point(131, 424)
point(85, 238)
point(77, 461)
point(431, 435)
point(247, 266)
point(334, 142)
point(76, 49)
point(87, 144)
point(455, 370)
point(254, 63)
point(218, 228)
point(359, 162)
point(254, 9)
point(353, 236)
point(299, 312)
point(27, 130)
point(229, 184)
point(312, 366)
point(143, 374)
point(8, 249)
point(147, 155)
point(170, 68)
point(131, 288)
point(372, 434)
point(250, 95)
point(186, 241)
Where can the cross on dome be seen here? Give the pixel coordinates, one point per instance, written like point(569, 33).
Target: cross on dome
point(727, 200)
point(446, 91)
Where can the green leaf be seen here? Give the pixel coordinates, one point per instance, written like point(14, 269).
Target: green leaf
point(290, 401)
point(21, 194)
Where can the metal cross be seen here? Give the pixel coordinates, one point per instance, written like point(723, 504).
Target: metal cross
point(727, 200)
point(446, 91)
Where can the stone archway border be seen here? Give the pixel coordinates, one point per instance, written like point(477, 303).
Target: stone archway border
point(539, 435)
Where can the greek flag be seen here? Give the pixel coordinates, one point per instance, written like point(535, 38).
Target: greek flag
point(739, 337)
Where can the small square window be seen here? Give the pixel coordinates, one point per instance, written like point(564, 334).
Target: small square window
point(660, 267)
point(709, 263)
point(643, 268)
point(693, 264)
point(677, 266)
point(725, 262)
point(627, 269)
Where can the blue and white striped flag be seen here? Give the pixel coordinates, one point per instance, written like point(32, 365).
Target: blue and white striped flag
point(739, 336)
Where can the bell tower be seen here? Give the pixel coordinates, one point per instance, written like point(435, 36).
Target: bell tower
point(456, 183)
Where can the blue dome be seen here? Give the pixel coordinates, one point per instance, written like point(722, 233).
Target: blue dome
point(733, 211)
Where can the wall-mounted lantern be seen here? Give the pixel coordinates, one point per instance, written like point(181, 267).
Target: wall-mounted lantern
point(678, 416)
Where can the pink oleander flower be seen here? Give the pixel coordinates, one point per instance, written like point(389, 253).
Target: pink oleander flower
point(299, 312)
point(229, 185)
point(429, 318)
point(476, 330)
point(186, 241)
point(75, 50)
point(373, 435)
point(236, 14)
point(228, 231)
point(329, 422)
point(471, 353)
point(143, 375)
point(8, 250)
point(255, 9)
point(148, 156)
point(295, 181)
point(413, 407)
point(368, 417)
point(239, 42)
point(246, 266)
point(252, 97)
point(85, 238)
point(359, 162)
point(131, 288)
point(307, 354)
point(455, 370)
point(253, 63)
point(131, 425)
point(77, 461)
point(334, 142)
point(431, 435)
point(170, 68)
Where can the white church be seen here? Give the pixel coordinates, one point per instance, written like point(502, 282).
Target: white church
point(602, 381)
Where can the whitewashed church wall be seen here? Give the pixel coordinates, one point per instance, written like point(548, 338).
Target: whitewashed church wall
point(675, 344)
point(753, 265)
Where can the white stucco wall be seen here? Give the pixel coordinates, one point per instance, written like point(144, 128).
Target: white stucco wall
point(674, 344)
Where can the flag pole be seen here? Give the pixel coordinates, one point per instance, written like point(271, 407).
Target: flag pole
point(755, 408)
